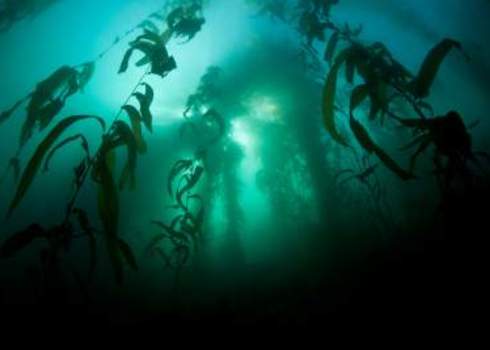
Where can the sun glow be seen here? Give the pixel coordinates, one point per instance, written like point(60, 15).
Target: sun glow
point(241, 133)
point(264, 108)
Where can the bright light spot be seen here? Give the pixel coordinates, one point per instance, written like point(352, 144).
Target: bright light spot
point(243, 135)
point(240, 132)
point(264, 108)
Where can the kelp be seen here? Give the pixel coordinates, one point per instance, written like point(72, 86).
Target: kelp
point(35, 162)
point(213, 117)
point(329, 94)
point(120, 135)
point(21, 240)
point(191, 180)
point(145, 100)
point(128, 254)
point(126, 137)
point(108, 205)
point(156, 54)
point(447, 133)
point(312, 27)
point(136, 120)
point(275, 9)
point(184, 230)
point(49, 98)
point(180, 166)
point(45, 103)
point(186, 21)
point(149, 25)
point(422, 83)
point(13, 11)
point(359, 94)
point(384, 80)
point(331, 47)
point(77, 137)
point(85, 74)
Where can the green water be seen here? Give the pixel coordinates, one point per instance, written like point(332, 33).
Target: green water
point(287, 226)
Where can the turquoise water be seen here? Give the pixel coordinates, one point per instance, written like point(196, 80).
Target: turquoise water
point(279, 228)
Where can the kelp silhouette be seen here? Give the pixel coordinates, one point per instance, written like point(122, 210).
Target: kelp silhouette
point(45, 102)
point(13, 11)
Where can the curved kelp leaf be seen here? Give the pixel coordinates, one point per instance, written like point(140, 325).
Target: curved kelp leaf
point(171, 233)
point(359, 94)
point(128, 254)
point(153, 47)
point(368, 144)
point(21, 240)
point(178, 167)
point(192, 181)
point(145, 100)
point(329, 94)
point(379, 99)
point(422, 83)
point(126, 137)
point(48, 99)
point(135, 118)
point(37, 159)
point(63, 143)
point(125, 61)
point(43, 116)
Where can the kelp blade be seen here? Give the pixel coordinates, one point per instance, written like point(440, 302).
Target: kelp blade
point(368, 144)
point(37, 159)
point(329, 94)
point(425, 78)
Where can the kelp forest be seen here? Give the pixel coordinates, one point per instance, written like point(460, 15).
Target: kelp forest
point(242, 162)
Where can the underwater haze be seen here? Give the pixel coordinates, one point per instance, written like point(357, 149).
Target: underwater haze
point(243, 162)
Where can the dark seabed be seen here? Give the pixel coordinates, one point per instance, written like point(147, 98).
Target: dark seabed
point(229, 163)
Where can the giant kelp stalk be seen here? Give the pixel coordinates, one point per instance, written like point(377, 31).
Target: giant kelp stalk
point(204, 127)
point(100, 167)
point(305, 133)
point(286, 179)
point(222, 153)
point(13, 11)
point(180, 240)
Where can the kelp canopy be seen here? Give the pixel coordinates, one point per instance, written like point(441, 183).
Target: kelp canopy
point(256, 160)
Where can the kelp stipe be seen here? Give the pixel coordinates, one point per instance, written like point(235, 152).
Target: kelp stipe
point(182, 239)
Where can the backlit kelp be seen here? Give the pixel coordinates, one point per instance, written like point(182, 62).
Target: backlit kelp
point(364, 80)
point(180, 242)
point(271, 169)
point(384, 79)
point(44, 104)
